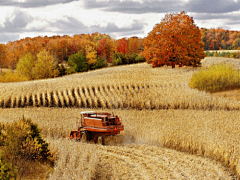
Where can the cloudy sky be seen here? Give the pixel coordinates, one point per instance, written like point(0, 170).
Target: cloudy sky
point(117, 18)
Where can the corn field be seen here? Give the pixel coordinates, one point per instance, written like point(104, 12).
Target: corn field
point(132, 87)
point(171, 131)
point(208, 61)
point(148, 149)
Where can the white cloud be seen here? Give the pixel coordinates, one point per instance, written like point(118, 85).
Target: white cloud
point(5, 12)
point(122, 18)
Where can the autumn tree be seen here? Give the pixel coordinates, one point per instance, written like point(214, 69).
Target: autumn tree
point(105, 49)
point(46, 65)
point(236, 43)
point(122, 46)
point(12, 53)
point(176, 40)
point(134, 44)
point(26, 65)
point(72, 48)
point(2, 56)
point(77, 63)
point(91, 53)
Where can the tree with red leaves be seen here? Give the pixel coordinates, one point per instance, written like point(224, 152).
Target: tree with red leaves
point(104, 50)
point(122, 46)
point(176, 40)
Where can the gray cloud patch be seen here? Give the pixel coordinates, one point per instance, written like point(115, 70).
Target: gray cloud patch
point(74, 26)
point(132, 7)
point(18, 23)
point(212, 6)
point(70, 26)
point(5, 37)
point(217, 16)
point(164, 6)
point(137, 25)
point(233, 22)
point(229, 19)
point(33, 3)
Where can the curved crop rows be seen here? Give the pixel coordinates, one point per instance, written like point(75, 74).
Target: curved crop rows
point(114, 96)
point(134, 87)
point(149, 162)
point(210, 134)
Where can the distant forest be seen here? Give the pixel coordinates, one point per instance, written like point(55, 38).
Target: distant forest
point(103, 45)
point(219, 39)
point(64, 46)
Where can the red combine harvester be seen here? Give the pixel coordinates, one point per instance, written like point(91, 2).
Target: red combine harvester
point(96, 126)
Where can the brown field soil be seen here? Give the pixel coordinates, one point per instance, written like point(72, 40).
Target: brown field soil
point(229, 94)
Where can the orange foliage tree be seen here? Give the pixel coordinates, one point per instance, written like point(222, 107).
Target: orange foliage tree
point(2, 56)
point(105, 50)
point(176, 40)
point(122, 46)
point(134, 44)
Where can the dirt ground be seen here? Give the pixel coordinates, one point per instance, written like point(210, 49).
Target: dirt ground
point(230, 94)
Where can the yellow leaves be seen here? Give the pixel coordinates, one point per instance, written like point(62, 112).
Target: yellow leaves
point(45, 66)
point(91, 53)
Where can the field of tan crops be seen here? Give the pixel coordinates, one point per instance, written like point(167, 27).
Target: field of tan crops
point(171, 130)
point(147, 149)
point(133, 86)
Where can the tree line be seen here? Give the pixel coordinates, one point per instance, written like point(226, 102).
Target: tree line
point(101, 45)
point(94, 50)
point(220, 39)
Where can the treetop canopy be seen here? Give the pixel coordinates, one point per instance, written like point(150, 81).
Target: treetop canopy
point(176, 39)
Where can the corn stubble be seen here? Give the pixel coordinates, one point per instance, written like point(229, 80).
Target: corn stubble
point(173, 116)
point(74, 160)
point(208, 134)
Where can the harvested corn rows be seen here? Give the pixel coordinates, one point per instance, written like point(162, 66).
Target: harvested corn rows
point(211, 134)
point(156, 89)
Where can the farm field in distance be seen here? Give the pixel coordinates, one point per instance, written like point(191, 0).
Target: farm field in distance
point(221, 51)
point(171, 131)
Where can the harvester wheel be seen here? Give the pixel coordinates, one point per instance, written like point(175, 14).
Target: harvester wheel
point(84, 137)
point(100, 140)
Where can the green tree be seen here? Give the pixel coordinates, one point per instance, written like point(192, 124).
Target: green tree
point(119, 58)
point(130, 58)
point(140, 58)
point(117, 61)
point(77, 63)
point(46, 65)
point(100, 63)
point(26, 65)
